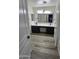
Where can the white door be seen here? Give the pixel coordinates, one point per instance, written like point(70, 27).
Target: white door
point(24, 33)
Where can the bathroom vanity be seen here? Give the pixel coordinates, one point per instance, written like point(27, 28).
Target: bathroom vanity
point(42, 23)
point(43, 28)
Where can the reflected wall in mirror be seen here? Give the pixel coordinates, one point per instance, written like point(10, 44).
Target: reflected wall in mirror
point(42, 18)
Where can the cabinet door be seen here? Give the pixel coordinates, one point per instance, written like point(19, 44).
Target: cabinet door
point(50, 30)
point(24, 33)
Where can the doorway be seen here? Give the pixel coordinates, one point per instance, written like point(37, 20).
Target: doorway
point(38, 29)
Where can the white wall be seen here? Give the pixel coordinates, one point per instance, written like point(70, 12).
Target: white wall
point(57, 29)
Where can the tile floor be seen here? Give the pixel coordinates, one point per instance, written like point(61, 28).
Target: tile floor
point(37, 55)
point(43, 47)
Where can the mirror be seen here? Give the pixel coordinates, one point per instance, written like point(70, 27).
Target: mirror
point(42, 18)
point(43, 14)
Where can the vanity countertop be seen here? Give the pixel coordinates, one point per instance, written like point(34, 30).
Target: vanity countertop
point(43, 24)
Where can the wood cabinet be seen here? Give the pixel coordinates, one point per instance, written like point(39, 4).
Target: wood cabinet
point(36, 29)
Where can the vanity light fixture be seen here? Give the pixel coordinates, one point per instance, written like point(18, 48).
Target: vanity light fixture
point(43, 1)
